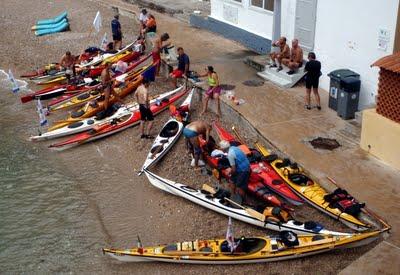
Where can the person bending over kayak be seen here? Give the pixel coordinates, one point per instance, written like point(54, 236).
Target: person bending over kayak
point(106, 81)
point(191, 133)
point(68, 63)
point(142, 97)
point(240, 168)
point(213, 91)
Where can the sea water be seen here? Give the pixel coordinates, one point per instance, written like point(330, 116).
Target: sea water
point(42, 213)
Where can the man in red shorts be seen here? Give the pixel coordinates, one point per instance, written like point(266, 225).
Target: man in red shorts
point(159, 44)
point(183, 67)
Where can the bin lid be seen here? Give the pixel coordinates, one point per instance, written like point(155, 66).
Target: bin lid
point(343, 73)
point(350, 84)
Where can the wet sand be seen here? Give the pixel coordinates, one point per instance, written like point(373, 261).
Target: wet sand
point(120, 204)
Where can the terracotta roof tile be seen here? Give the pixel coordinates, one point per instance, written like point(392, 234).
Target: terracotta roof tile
point(390, 62)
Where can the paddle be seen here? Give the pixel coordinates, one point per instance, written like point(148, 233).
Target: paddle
point(249, 211)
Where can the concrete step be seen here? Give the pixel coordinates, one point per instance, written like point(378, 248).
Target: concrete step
point(281, 78)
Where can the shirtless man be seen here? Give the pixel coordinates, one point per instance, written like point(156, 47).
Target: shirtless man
point(191, 132)
point(159, 44)
point(142, 97)
point(68, 63)
point(106, 81)
point(284, 53)
point(296, 57)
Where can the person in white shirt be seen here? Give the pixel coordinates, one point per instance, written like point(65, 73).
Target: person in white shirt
point(143, 16)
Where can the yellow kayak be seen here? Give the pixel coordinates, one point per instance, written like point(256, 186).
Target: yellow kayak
point(90, 109)
point(85, 97)
point(311, 191)
point(247, 250)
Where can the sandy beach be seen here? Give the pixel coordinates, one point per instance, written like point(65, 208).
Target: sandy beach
point(118, 205)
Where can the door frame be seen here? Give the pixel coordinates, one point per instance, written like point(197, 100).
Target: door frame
point(314, 27)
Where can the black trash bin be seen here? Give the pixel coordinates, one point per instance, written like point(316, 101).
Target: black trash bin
point(335, 85)
point(348, 97)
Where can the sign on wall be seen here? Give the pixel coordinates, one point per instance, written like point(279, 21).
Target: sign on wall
point(230, 13)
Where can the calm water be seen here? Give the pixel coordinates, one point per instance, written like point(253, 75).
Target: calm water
point(43, 216)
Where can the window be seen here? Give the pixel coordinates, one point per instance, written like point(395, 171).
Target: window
point(264, 4)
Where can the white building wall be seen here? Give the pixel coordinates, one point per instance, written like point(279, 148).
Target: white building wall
point(346, 33)
point(347, 36)
point(242, 15)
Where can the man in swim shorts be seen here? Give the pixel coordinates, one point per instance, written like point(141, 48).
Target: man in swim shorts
point(191, 133)
point(142, 97)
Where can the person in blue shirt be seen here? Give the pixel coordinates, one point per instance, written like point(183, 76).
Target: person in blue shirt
point(240, 168)
point(183, 67)
point(116, 32)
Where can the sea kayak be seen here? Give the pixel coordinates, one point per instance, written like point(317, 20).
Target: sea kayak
point(113, 127)
point(169, 133)
point(216, 201)
point(261, 170)
point(310, 191)
point(287, 245)
point(90, 123)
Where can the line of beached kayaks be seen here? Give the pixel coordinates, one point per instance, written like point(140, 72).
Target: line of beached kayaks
point(279, 184)
point(296, 239)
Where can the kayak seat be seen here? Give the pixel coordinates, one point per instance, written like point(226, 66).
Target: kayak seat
point(244, 245)
point(170, 130)
point(95, 92)
point(284, 163)
point(83, 96)
point(277, 182)
point(317, 238)
point(90, 122)
point(75, 125)
point(299, 179)
point(314, 226)
point(76, 114)
point(270, 158)
point(171, 247)
point(157, 149)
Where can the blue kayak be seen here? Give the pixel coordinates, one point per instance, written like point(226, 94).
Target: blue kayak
point(53, 20)
point(49, 26)
point(59, 28)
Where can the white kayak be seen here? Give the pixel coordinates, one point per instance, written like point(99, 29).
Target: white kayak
point(168, 135)
point(90, 123)
point(244, 214)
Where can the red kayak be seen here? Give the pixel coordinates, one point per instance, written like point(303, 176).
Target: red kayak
point(115, 126)
point(67, 96)
point(255, 188)
point(261, 171)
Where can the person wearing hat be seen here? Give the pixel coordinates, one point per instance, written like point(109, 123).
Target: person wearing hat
point(240, 168)
point(116, 32)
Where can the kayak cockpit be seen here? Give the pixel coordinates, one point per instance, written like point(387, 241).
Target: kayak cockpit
point(244, 246)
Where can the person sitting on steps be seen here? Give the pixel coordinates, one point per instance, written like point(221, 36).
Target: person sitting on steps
point(283, 53)
point(296, 57)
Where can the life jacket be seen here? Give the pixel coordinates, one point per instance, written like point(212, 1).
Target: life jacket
point(276, 214)
point(344, 202)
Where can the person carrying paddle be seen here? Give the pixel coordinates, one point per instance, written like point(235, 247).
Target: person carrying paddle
point(191, 133)
point(240, 168)
point(106, 81)
point(142, 98)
